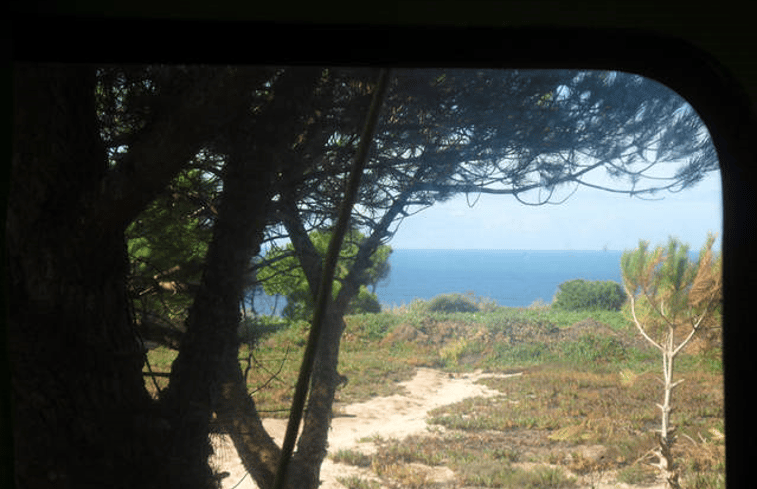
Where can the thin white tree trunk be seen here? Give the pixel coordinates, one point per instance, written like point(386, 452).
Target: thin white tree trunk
point(667, 438)
point(669, 351)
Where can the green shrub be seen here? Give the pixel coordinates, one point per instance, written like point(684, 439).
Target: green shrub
point(578, 294)
point(486, 304)
point(448, 303)
point(499, 475)
point(352, 457)
point(295, 333)
point(355, 482)
point(707, 481)
point(450, 353)
point(365, 302)
point(518, 354)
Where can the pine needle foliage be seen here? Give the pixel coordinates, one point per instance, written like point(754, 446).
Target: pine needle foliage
point(672, 298)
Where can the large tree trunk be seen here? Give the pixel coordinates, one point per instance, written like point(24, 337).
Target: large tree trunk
point(211, 340)
point(81, 415)
point(238, 416)
point(205, 377)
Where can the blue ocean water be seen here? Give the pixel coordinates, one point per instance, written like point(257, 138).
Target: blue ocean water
point(512, 278)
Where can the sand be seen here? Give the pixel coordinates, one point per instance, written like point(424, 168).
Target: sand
point(395, 416)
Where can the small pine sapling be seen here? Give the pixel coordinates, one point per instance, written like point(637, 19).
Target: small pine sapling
point(671, 298)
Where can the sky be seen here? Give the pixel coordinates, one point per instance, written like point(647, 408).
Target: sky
point(589, 220)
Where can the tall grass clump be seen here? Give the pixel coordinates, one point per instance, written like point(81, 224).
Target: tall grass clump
point(355, 482)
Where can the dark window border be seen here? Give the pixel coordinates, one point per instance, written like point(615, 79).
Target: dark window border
point(721, 102)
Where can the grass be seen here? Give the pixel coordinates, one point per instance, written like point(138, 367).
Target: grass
point(552, 409)
point(636, 474)
point(509, 477)
point(582, 387)
point(352, 457)
point(584, 406)
point(354, 482)
point(484, 461)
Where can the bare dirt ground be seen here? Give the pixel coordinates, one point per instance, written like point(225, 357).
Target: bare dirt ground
point(389, 417)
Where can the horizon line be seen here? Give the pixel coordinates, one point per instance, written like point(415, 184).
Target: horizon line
point(496, 249)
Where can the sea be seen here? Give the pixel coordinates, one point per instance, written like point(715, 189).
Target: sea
point(512, 278)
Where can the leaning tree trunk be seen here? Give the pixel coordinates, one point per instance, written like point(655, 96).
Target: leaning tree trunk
point(235, 409)
point(312, 447)
point(238, 415)
point(211, 341)
point(81, 414)
point(205, 377)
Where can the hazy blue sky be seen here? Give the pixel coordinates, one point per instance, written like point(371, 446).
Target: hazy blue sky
point(589, 220)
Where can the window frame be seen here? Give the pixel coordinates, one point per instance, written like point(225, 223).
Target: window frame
point(722, 103)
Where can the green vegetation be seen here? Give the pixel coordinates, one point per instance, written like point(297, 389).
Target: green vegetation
point(352, 457)
point(167, 244)
point(483, 462)
point(282, 274)
point(577, 295)
point(588, 380)
point(636, 474)
point(452, 303)
point(201, 167)
point(355, 482)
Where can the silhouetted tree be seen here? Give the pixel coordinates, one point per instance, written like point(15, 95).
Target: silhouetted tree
point(82, 415)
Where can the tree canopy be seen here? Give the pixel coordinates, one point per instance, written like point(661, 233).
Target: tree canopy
point(282, 274)
point(537, 135)
point(167, 245)
point(670, 293)
point(534, 134)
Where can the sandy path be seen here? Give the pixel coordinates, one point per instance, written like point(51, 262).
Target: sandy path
point(394, 416)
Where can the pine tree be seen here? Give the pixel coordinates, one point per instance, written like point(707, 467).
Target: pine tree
point(672, 298)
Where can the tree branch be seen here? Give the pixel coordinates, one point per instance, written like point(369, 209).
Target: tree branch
point(638, 323)
point(190, 116)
